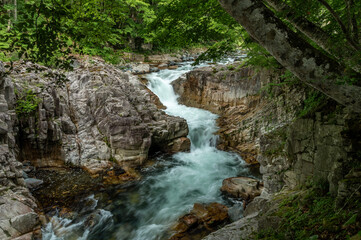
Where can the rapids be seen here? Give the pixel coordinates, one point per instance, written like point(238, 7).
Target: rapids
point(168, 189)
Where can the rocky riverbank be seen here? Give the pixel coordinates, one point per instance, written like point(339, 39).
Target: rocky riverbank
point(260, 119)
point(239, 95)
point(96, 117)
point(18, 209)
point(93, 128)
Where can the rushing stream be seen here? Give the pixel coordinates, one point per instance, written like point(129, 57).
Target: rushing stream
point(168, 189)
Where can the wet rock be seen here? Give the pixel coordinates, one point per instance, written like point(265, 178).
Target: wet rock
point(235, 212)
point(64, 188)
point(235, 93)
point(242, 187)
point(140, 68)
point(17, 205)
point(165, 58)
point(119, 176)
point(163, 66)
point(25, 223)
point(154, 69)
point(203, 219)
point(179, 145)
point(173, 67)
point(33, 182)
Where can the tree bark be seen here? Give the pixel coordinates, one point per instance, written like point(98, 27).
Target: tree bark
point(293, 52)
point(15, 10)
point(345, 31)
point(342, 52)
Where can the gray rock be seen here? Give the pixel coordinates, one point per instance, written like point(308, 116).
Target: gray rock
point(25, 223)
point(33, 182)
point(103, 114)
point(242, 187)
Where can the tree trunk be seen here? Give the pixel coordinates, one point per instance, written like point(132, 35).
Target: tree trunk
point(325, 41)
point(15, 10)
point(293, 52)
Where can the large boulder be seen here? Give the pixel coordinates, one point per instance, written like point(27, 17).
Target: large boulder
point(202, 220)
point(242, 187)
point(94, 117)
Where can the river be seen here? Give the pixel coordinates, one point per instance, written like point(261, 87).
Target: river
point(168, 189)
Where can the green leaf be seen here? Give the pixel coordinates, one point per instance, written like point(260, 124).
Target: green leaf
point(352, 220)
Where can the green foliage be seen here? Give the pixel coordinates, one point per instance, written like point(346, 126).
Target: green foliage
point(313, 216)
point(27, 103)
point(47, 31)
point(216, 52)
point(286, 79)
point(257, 56)
point(182, 23)
point(313, 102)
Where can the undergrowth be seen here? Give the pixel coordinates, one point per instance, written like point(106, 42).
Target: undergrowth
point(27, 103)
point(313, 216)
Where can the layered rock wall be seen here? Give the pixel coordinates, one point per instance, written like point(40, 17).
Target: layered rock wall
point(241, 97)
point(262, 123)
point(18, 218)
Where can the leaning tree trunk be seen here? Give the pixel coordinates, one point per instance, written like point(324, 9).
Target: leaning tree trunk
point(294, 53)
point(345, 52)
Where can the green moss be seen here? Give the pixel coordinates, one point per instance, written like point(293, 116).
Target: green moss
point(112, 159)
point(230, 67)
point(314, 101)
point(312, 215)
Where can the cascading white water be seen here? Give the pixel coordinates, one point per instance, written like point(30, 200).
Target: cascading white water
point(199, 175)
point(171, 187)
point(81, 227)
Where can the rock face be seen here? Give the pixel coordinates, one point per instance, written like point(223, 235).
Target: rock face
point(239, 95)
point(202, 220)
point(93, 117)
point(242, 187)
point(263, 124)
point(258, 216)
point(17, 215)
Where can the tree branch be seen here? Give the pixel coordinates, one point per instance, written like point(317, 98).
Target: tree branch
point(352, 21)
point(342, 52)
point(311, 30)
point(293, 52)
point(340, 23)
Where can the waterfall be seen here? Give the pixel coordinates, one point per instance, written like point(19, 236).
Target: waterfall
point(171, 186)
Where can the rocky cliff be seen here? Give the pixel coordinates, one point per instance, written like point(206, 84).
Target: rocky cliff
point(259, 118)
point(18, 219)
point(95, 117)
point(241, 97)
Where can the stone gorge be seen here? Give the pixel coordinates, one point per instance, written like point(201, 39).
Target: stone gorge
point(106, 121)
point(259, 119)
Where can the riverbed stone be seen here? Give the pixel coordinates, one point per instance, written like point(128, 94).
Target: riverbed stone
point(25, 223)
point(202, 219)
point(242, 187)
